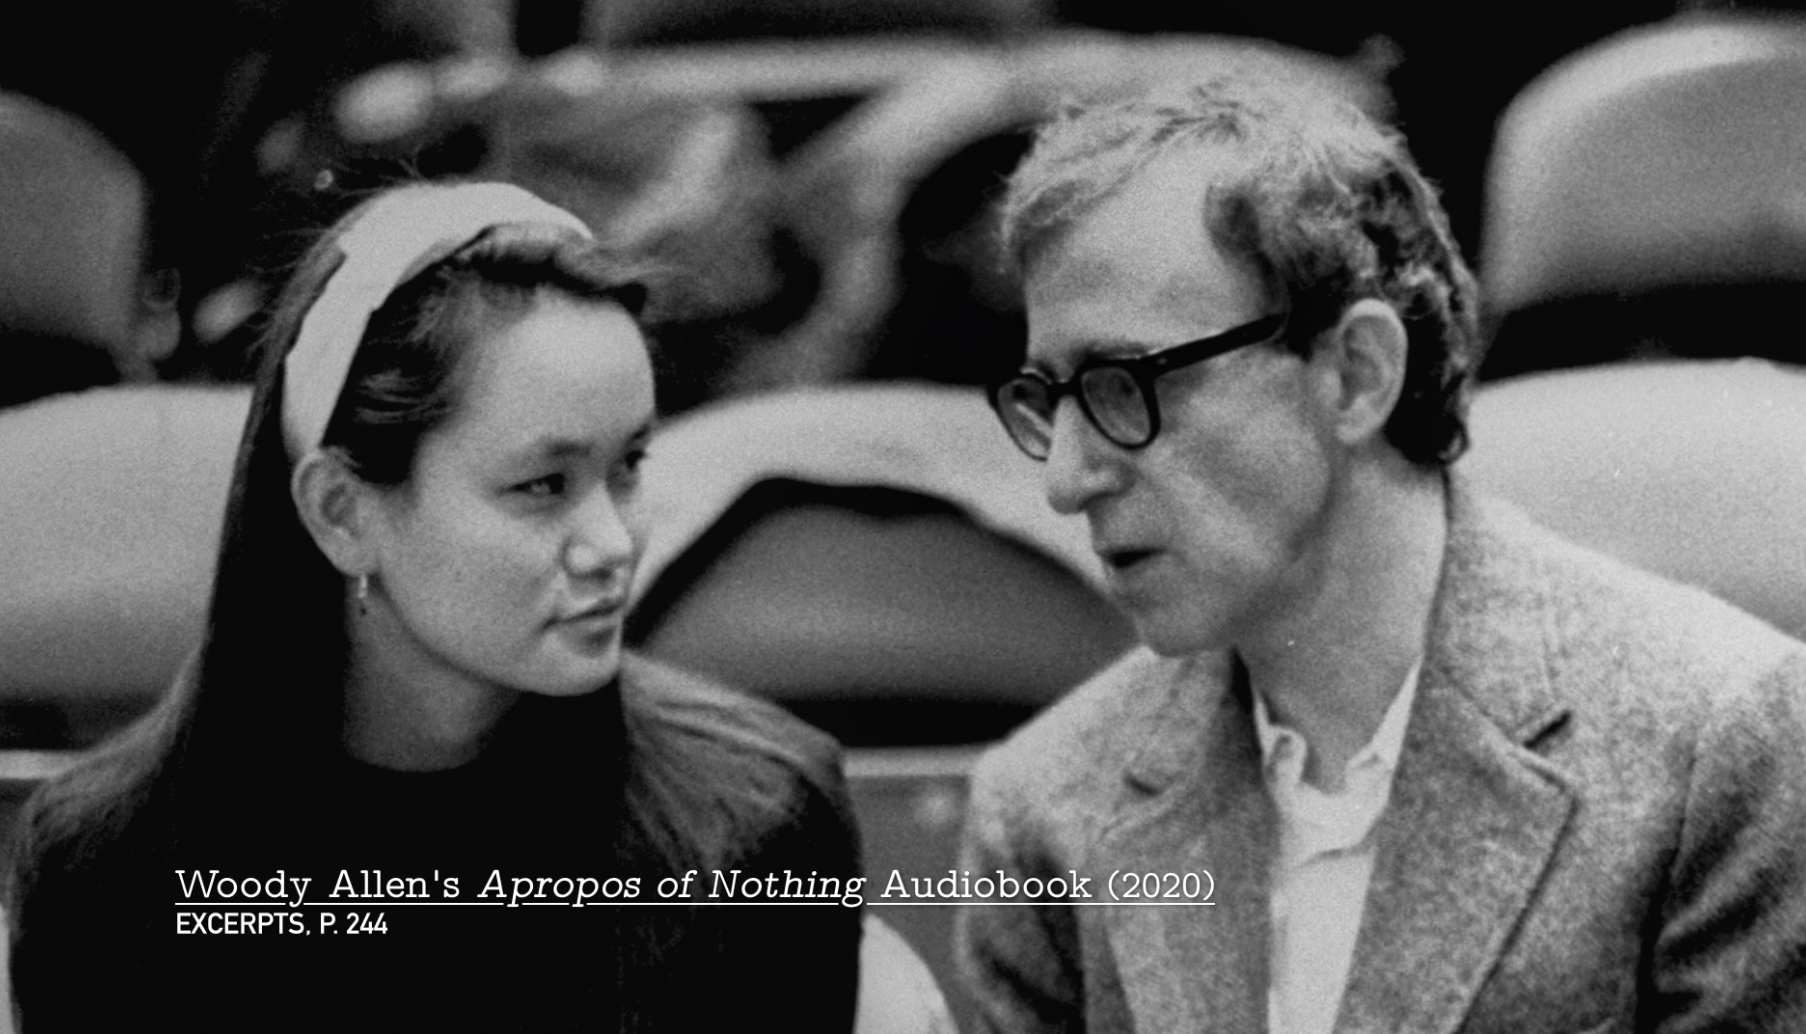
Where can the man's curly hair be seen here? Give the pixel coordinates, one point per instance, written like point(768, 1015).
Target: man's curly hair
point(1323, 202)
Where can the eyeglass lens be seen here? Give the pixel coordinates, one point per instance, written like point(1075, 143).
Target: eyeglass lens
point(1027, 414)
point(1111, 399)
point(1116, 405)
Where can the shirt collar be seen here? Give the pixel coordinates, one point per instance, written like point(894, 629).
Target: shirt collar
point(1388, 740)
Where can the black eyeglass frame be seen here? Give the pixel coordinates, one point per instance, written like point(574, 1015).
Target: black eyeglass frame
point(1143, 370)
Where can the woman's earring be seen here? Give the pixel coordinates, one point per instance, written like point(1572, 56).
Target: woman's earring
point(363, 594)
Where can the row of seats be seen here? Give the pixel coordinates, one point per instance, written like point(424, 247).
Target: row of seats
point(1643, 195)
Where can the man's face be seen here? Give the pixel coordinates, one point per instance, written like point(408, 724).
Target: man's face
point(1214, 533)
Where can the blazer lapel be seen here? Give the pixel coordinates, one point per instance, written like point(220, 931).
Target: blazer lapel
point(1197, 805)
point(1471, 828)
point(1476, 814)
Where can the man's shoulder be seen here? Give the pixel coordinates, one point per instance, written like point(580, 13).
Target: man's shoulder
point(1660, 643)
point(1079, 746)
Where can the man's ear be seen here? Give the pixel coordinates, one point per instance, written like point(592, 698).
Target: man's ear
point(338, 509)
point(1362, 362)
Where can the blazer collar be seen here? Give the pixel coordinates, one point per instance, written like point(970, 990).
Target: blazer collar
point(1492, 627)
point(1201, 808)
point(1475, 818)
point(1476, 814)
point(1191, 709)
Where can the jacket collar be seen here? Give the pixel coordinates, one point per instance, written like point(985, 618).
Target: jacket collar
point(1492, 627)
point(1476, 814)
point(1201, 808)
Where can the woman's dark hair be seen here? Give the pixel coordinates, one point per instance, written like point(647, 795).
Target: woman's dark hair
point(259, 704)
point(223, 762)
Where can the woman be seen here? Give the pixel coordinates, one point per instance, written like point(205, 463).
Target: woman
point(412, 694)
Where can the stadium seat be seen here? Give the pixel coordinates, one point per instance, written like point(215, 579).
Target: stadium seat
point(1691, 469)
point(73, 294)
point(1644, 199)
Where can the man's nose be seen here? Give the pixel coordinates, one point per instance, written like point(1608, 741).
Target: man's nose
point(1076, 471)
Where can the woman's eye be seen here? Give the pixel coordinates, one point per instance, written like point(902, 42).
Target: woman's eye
point(626, 475)
point(542, 487)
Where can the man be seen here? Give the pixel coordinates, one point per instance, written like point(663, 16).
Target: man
point(1444, 771)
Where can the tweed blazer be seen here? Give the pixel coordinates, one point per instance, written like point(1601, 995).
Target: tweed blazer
point(1598, 822)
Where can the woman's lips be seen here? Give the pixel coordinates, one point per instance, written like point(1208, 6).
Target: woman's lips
point(598, 616)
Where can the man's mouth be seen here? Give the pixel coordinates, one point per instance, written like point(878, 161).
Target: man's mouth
point(1122, 560)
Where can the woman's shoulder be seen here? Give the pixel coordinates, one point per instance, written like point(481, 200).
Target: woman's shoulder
point(694, 706)
point(742, 770)
point(65, 870)
point(83, 816)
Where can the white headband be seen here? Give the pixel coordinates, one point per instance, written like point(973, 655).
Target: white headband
point(380, 249)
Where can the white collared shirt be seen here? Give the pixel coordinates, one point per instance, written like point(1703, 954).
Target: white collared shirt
point(1325, 864)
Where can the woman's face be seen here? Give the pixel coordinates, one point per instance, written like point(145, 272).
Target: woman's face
point(505, 560)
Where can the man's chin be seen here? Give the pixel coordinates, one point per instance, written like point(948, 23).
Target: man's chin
point(1169, 637)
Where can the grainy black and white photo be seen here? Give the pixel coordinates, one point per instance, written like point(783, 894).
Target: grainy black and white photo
point(903, 517)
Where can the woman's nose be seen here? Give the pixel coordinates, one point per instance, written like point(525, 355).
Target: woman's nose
point(602, 540)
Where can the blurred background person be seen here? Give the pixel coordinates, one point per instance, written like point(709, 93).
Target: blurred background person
point(79, 307)
point(209, 100)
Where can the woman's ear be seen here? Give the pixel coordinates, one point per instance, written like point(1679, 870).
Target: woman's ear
point(1363, 359)
point(338, 509)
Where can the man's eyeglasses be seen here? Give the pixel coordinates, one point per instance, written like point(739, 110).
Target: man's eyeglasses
point(1116, 395)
